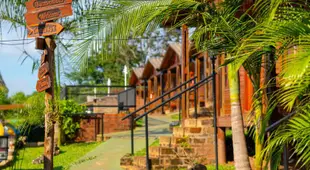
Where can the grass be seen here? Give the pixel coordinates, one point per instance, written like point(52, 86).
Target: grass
point(175, 117)
point(140, 123)
point(69, 155)
point(142, 152)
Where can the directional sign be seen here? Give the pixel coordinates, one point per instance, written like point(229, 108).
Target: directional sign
point(46, 29)
point(35, 5)
point(44, 84)
point(48, 14)
point(43, 70)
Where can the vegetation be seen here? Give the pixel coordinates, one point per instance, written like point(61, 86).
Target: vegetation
point(142, 152)
point(175, 116)
point(67, 108)
point(67, 157)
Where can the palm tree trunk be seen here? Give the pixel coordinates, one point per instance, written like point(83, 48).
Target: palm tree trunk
point(241, 157)
point(258, 140)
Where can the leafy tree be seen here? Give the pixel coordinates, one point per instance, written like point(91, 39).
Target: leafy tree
point(33, 113)
point(3, 91)
point(4, 96)
point(18, 98)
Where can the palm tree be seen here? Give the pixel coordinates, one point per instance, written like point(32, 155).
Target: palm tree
point(293, 81)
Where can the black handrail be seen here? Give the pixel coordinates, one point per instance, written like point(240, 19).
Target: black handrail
point(207, 79)
point(277, 123)
point(158, 98)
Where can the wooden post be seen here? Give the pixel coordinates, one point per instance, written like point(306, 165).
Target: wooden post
point(205, 58)
point(162, 91)
point(50, 107)
point(156, 90)
point(197, 73)
point(169, 86)
point(177, 76)
point(185, 71)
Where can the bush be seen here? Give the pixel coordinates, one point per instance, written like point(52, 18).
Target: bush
point(67, 108)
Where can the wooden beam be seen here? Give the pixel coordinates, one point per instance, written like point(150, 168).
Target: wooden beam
point(11, 107)
point(185, 70)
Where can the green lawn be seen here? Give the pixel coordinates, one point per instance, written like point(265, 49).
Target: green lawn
point(69, 155)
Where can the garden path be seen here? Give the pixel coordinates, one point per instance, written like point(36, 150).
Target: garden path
point(107, 155)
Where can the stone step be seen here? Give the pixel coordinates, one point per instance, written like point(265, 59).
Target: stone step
point(199, 122)
point(167, 163)
point(161, 151)
point(165, 141)
point(201, 112)
point(174, 141)
point(193, 131)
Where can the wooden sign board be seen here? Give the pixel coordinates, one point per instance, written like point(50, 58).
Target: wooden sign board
point(46, 29)
point(44, 84)
point(43, 70)
point(44, 57)
point(35, 5)
point(48, 14)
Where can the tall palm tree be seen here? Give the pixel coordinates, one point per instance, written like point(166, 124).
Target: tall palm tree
point(285, 27)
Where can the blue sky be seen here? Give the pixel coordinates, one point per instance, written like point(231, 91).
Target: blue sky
point(17, 76)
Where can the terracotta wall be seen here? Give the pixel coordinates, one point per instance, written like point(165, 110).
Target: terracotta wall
point(91, 125)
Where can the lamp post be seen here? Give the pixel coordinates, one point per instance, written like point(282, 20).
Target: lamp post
point(125, 71)
point(109, 84)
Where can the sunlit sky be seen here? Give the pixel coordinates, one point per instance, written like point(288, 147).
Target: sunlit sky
point(18, 76)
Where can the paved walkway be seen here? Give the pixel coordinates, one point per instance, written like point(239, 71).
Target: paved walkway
point(107, 155)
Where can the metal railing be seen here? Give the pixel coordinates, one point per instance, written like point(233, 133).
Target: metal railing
point(205, 80)
point(275, 125)
point(193, 87)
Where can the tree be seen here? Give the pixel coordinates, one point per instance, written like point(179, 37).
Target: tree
point(3, 91)
point(291, 47)
point(18, 98)
point(34, 109)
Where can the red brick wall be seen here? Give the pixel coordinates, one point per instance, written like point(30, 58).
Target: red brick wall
point(114, 123)
point(91, 125)
point(87, 129)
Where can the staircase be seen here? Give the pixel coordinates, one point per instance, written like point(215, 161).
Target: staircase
point(188, 145)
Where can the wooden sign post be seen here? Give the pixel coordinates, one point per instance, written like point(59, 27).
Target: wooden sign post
point(46, 29)
point(35, 5)
point(49, 107)
point(39, 18)
point(48, 14)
